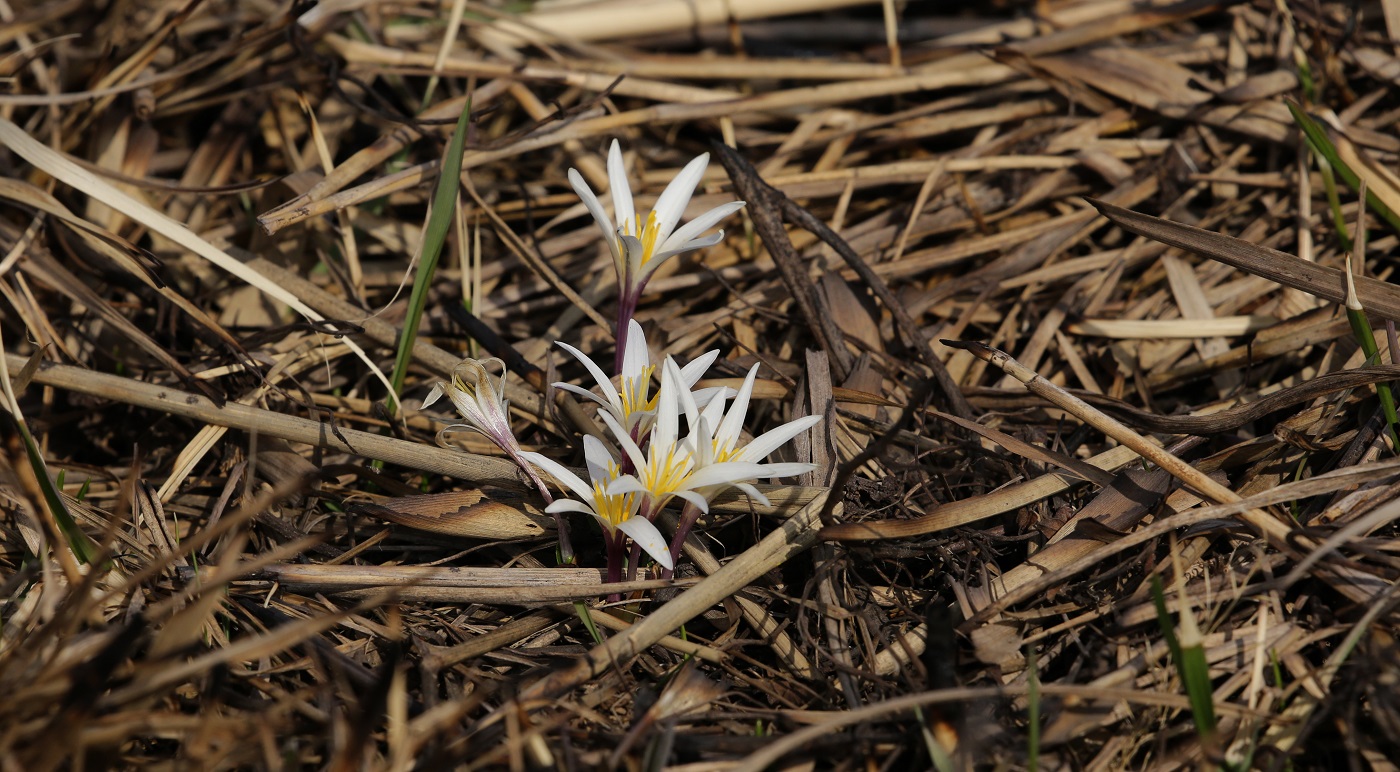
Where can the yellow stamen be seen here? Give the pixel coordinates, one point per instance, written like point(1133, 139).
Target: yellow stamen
point(615, 509)
point(648, 238)
point(664, 476)
point(634, 392)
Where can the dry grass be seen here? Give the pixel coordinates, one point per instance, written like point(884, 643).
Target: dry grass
point(196, 313)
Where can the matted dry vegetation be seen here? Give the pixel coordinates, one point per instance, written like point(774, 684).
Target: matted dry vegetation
point(210, 211)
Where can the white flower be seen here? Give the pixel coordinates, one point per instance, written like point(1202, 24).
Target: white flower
point(640, 244)
point(483, 404)
point(479, 400)
point(631, 402)
point(616, 511)
point(725, 444)
point(668, 468)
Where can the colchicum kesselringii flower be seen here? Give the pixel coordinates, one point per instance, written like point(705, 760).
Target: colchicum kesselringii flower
point(650, 463)
point(631, 402)
point(671, 466)
point(617, 512)
point(641, 244)
point(717, 437)
point(481, 400)
point(659, 465)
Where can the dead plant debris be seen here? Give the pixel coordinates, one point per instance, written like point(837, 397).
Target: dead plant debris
point(1103, 478)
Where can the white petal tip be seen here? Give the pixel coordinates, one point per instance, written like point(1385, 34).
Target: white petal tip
point(646, 535)
point(433, 396)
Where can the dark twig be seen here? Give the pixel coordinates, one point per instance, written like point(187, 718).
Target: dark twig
point(920, 341)
point(764, 206)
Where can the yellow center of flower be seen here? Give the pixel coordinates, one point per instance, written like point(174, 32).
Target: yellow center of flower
point(666, 473)
point(723, 454)
point(646, 235)
point(634, 392)
point(458, 384)
point(614, 509)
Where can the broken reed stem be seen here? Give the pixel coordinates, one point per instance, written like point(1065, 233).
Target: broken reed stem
point(796, 535)
point(480, 470)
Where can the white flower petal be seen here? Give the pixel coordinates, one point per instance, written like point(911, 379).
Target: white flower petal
point(598, 458)
point(433, 396)
point(695, 370)
point(649, 538)
point(609, 391)
point(595, 208)
point(582, 392)
point(569, 505)
point(624, 440)
point(623, 209)
point(494, 421)
point(500, 378)
point(705, 396)
point(754, 494)
point(667, 427)
point(693, 229)
point(701, 503)
point(684, 398)
point(727, 435)
point(724, 473)
point(625, 484)
point(674, 199)
point(701, 442)
point(770, 441)
point(714, 408)
point(635, 356)
point(636, 263)
point(786, 469)
point(443, 437)
point(690, 246)
point(558, 471)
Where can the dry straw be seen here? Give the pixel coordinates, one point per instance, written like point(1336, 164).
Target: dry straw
point(1133, 216)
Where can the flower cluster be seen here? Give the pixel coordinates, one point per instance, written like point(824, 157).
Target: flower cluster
point(669, 440)
point(652, 461)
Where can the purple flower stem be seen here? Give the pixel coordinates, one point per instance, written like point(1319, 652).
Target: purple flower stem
point(689, 515)
point(614, 542)
point(626, 309)
point(634, 559)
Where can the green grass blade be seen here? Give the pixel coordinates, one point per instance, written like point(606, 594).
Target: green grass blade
point(434, 236)
point(78, 542)
point(1334, 202)
point(1164, 618)
point(1195, 673)
point(1316, 136)
point(581, 609)
point(82, 546)
point(1366, 337)
point(1190, 659)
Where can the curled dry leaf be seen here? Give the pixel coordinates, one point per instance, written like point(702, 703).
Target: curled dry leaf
point(483, 513)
